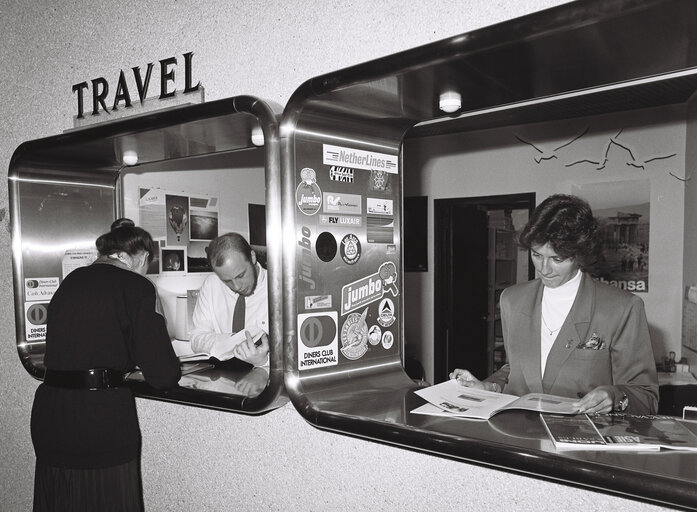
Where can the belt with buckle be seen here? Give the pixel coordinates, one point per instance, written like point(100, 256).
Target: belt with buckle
point(98, 378)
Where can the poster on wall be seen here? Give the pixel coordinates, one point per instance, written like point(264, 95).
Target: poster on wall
point(180, 220)
point(204, 218)
point(177, 209)
point(623, 211)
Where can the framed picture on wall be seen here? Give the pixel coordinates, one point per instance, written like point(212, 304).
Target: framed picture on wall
point(623, 211)
point(172, 260)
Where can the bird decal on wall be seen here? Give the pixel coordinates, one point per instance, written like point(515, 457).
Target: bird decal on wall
point(632, 160)
point(548, 155)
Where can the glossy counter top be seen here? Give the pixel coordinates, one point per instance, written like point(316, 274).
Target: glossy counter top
point(513, 440)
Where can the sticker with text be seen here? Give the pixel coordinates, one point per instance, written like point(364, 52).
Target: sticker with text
point(359, 159)
point(354, 336)
point(370, 288)
point(317, 340)
point(308, 195)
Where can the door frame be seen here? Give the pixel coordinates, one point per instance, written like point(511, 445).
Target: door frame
point(442, 282)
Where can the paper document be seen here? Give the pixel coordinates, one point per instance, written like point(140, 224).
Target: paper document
point(463, 402)
point(222, 350)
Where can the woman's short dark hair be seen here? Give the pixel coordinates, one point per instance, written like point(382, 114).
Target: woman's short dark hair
point(219, 249)
point(128, 239)
point(123, 221)
point(567, 223)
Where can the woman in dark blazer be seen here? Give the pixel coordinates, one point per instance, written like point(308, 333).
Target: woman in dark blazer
point(101, 324)
point(567, 334)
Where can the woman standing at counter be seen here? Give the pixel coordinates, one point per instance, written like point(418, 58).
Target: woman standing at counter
point(101, 324)
point(567, 334)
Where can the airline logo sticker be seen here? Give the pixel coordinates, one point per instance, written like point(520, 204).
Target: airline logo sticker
point(370, 288)
point(40, 288)
point(359, 159)
point(35, 315)
point(354, 336)
point(308, 195)
point(342, 203)
point(386, 312)
point(318, 344)
point(340, 220)
point(341, 174)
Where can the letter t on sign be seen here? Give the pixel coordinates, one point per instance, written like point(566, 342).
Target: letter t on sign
point(78, 88)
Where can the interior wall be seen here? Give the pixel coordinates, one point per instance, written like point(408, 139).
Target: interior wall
point(236, 179)
point(496, 161)
point(204, 459)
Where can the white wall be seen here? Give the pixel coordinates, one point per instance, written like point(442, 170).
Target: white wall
point(493, 161)
point(192, 457)
point(236, 179)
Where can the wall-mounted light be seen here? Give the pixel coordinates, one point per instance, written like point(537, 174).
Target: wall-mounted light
point(130, 157)
point(450, 101)
point(257, 136)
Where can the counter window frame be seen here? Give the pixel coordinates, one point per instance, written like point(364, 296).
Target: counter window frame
point(396, 97)
point(91, 157)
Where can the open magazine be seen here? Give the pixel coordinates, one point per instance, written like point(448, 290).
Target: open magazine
point(618, 432)
point(451, 399)
point(221, 350)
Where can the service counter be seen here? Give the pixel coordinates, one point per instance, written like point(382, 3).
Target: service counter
point(513, 440)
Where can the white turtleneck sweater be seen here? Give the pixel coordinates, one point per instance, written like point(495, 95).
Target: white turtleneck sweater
point(556, 304)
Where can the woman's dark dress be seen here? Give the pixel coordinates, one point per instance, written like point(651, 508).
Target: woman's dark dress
point(102, 316)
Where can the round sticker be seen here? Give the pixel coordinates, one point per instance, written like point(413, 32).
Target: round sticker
point(308, 195)
point(350, 249)
point(374, 335)
point(354, 336)
point(387, 339)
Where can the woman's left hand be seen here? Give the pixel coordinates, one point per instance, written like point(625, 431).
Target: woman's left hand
point(599, 400)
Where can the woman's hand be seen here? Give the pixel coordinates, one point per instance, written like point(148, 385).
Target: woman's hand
point(599, 400)
point(465, 378)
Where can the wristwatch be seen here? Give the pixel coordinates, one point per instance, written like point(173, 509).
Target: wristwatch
point(623, 403)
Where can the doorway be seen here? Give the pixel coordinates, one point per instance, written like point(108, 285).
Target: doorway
point(476, 257)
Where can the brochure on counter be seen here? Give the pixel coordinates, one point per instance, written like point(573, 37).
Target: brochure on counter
point(451, 399)
point(222, 350)
point(618, 432)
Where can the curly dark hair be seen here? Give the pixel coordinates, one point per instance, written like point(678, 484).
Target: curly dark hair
point(567, 223)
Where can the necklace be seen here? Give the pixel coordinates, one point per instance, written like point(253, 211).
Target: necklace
point(551, 331)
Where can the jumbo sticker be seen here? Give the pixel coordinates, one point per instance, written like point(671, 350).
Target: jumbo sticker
point(370, 288)
point(308, 195)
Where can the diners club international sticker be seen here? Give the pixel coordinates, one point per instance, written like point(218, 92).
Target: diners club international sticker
point(308, 195)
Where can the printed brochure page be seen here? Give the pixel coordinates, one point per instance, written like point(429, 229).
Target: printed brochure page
point(453, 399)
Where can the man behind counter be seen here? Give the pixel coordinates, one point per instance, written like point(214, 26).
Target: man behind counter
point(235, 298)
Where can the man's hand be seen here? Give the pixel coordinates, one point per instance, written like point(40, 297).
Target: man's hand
point(599, 400)
point(248, 351)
